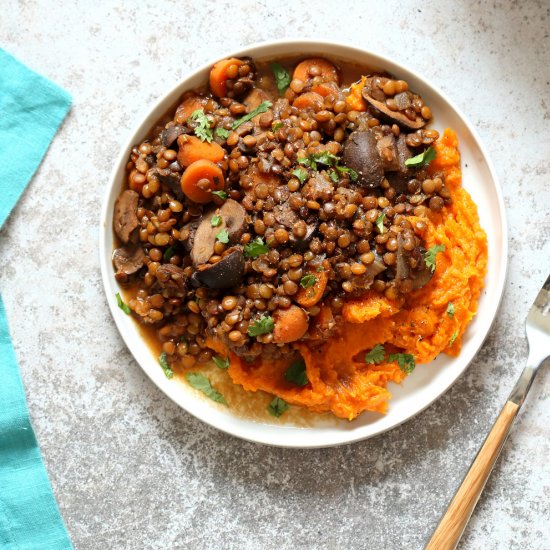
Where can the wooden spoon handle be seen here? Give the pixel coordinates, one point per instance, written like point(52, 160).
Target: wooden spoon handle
point(452, 524)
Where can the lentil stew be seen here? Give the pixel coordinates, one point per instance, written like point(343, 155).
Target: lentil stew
point(299, 223)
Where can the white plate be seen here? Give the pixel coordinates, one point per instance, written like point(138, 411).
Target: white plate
point(427, 382)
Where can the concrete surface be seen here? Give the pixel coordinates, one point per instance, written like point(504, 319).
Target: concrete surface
point(130, 469)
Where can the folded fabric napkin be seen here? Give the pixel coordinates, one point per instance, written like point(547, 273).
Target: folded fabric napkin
point(31, 110)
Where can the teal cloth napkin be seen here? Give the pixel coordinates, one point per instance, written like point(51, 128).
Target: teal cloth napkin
point(31, 110)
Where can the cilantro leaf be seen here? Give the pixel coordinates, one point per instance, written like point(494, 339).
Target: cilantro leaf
point(168, 253)
point(223, 236)
point(296, 373)
point(308, 280)
point(333, 175)
point(423, 159)
point(380, 222)
point(255, 248)
point(277, 407)
point(168, 372)
point(202, 129)
point(404, 360)
point(375, 355)
point(221, 362)
point(450, 310)
point(201, 383)
point(216, 220)
point(263, 325)
point(282, 78)
point(301, 174)
point(454, 336)
point(220, 194)
point(222, 132)
point(261, 108)
point(429, 256)
point(349, 171)
point(122, 305)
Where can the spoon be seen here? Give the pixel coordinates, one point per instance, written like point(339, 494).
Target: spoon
point(452, 524)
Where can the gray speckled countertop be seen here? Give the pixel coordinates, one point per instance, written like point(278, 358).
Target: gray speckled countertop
point(128, 467)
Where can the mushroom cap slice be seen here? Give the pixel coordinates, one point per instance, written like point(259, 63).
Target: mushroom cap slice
point(226, 273)
point(125, 215)
point(128, 259)
point(361, 155)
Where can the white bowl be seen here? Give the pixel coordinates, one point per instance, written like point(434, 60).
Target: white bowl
point(427, 382)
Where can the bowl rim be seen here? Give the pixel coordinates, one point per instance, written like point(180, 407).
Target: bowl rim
point(306, 46)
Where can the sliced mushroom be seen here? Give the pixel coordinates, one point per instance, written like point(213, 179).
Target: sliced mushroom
point(361, 155)
point(125, 217)
point(172, 179)
point(288, 217)
point(226, 273)
point(387, 149)
point(169, 135)
point(400, 178)
point(188, 239)
point(402, 269)
point(172, 278)
point(422, 274)
point(233, 220)
point(128, 260)
point(394, 116)
point(255, 98)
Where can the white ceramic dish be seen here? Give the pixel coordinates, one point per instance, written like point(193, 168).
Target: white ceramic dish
point(427, 382)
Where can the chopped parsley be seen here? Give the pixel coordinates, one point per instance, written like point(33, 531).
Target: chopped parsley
point(277, 407)
point(168, 253)
point(261, 108)
point(202, 129)
point(333, 175)
point(223, 236)
point(380, 222)
point(221, 362)
point(222, 132)
point(168, 372)
point(454, 336)
point(423, 159)
point(375, 355)
point(345, 170)
point(282, 77)
point(122, 305)
point(450, 310)
point(429, 257)
point(296, 373)
point(404, 360)
point(301, 174)
point(220, 194)
point(276, 125)
point(263, 325)
point(201, 383)
point(216, 220)
point(308, 280)
point(255, 248)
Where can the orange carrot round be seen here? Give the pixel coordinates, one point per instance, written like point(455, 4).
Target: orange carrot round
point(309, 100)
point(219, 75)
point(290, 324)
point(308, 297)
point(201, 178)
point(192, 149)
point(316, 66)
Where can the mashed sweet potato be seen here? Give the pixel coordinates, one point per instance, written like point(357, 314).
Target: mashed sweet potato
point(339, 379)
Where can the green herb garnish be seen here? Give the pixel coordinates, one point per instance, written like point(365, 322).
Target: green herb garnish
point(221, 362)
point(349, 171)
point(202, 129)
point(201, 383)
point(222, 132)
point(308, 280)
point(282, 77)
point(122, 305)
point(255, 248)
point(168, 253)
point(261, 108)
point(223, 236)
point(296, 373)
point(429, 257)
point(380, 222)
point(220, 194)
point(450, 310)
point(375, 355)
point(216, 220)
point(423, 159)
point(276, 125)
point(263, 325)
point(453, 337)
point(301, 174)
point(333, 175)
point(168, 372)
point(277, 407)
point(404, 360)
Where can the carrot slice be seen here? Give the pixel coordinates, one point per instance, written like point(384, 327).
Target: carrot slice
point(319, 67)
point(355, 101)
point(200, 179)
point(290, 324)
point(218, 75)
point(309, 100)
point(192, 149)
point(188, 107)
point(308, 297)
point(326, 89)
